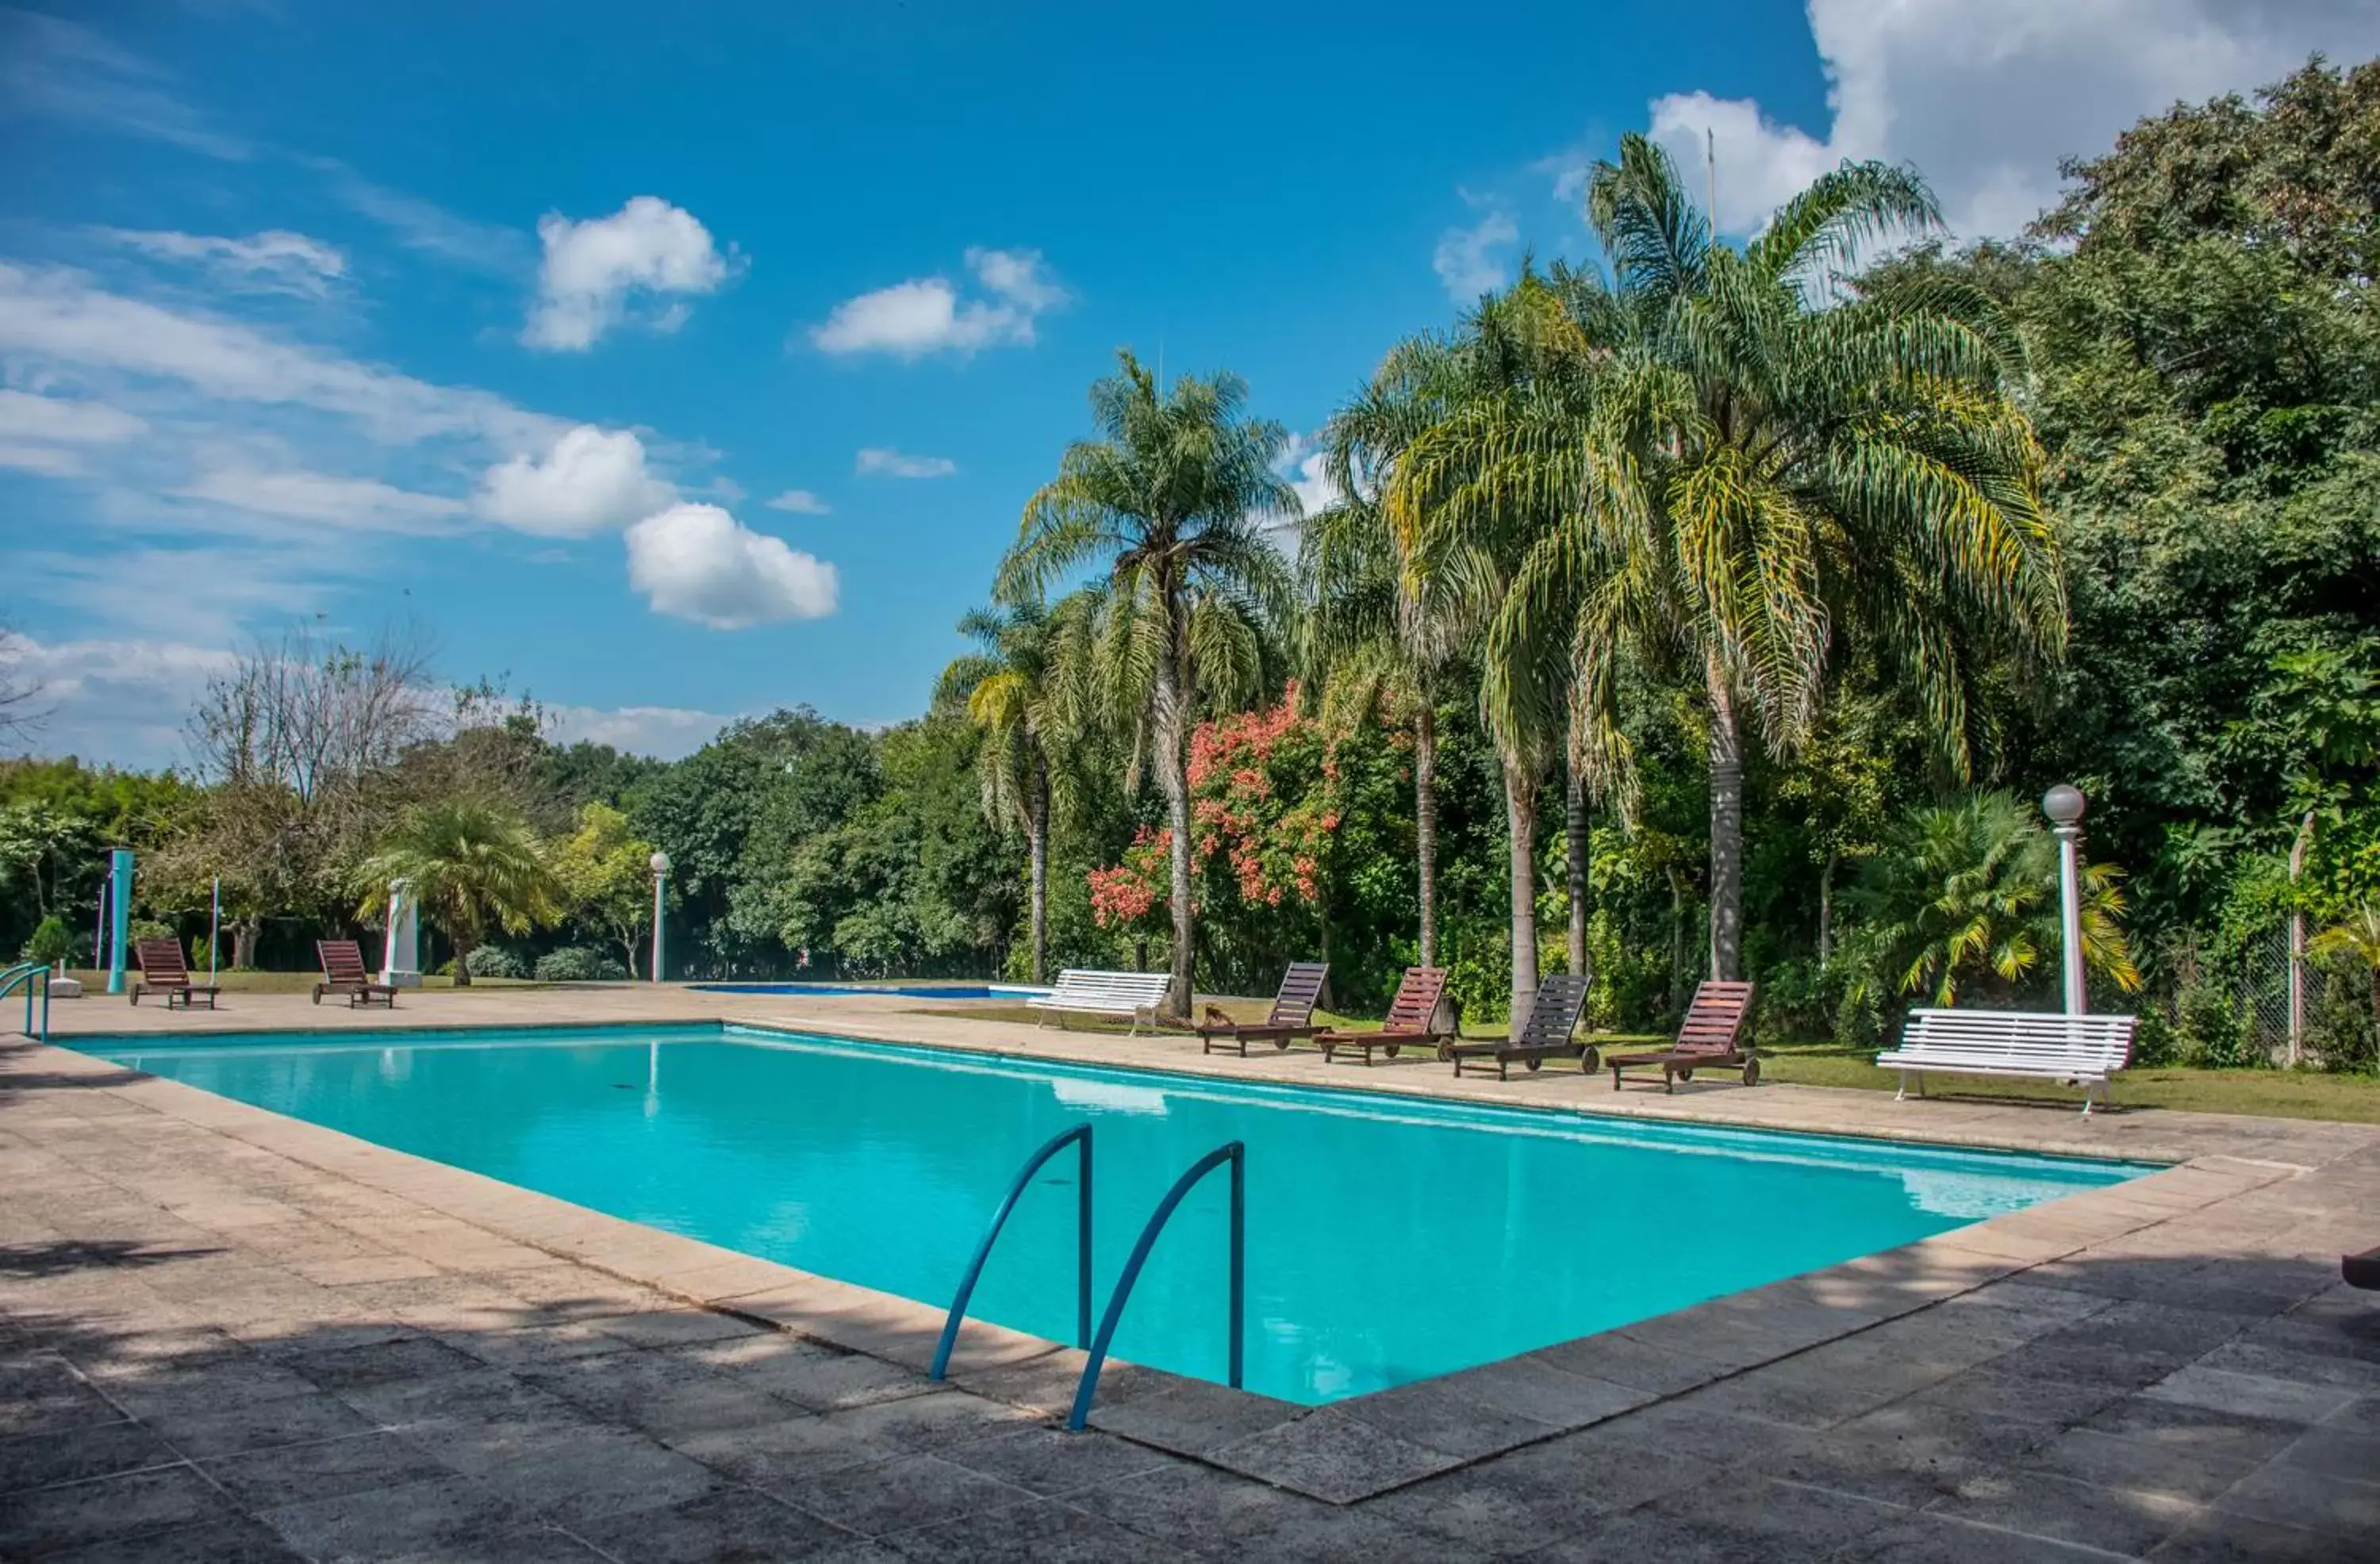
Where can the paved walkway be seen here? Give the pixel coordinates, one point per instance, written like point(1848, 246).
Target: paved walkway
point(226, 1335)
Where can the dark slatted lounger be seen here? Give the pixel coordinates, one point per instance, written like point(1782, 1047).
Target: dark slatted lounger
point(1292, 1017)
point(2361, 1270)
point(1711, 1037)
point(163, 971)
point(1553, 1016)
point(1412, 1018)
point(344, 973)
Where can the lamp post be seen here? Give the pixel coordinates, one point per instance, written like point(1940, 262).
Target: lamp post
point(661, 878)
point(2063, 804)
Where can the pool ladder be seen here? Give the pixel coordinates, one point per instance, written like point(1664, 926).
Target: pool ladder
point(29, 976)
point(1233, 1152)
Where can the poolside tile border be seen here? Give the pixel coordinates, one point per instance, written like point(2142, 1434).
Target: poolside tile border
point(1337, 1453)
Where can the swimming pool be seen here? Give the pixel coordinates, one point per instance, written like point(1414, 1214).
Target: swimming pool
point(1389, 1239)
point(907, 990)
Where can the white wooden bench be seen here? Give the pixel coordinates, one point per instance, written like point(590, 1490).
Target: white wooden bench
point(1105, 993)
point(2080, 1051)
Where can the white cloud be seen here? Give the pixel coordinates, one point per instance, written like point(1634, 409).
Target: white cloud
point(590, 481)
point(927, 315)
point(1465, 258)
point(27, 416)
point(117, 702)
point(54, 66)
point(55, 316)
point(353, 503)
point(426, 227)
point(47, 460)
point(801, 501)
point(698, 562)
point(666, 733)
point(592, 269)
point(882, 460)
point(274, 262)
point(205, 596)
point(1986, 99)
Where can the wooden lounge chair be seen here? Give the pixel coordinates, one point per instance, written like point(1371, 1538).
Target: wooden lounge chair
point(1711, 1037)
point(344, 973)
point(1547, 1033)
point(163, 971)
point(1412, 1018)
point(2361, 1270)
point(1292, 1017)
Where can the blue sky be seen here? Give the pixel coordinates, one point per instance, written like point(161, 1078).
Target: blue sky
point(512, 320)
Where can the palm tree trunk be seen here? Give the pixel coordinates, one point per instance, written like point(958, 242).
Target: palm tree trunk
point(1726, 828)
point(1426, 825)
point(463, 962)
point(1037, 836)
point(1576, 840)
point(1171, 710)
point(1827, 910)
point(1520, 813)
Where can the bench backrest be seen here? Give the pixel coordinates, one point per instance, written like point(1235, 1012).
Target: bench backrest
point(1416, 1002)
point(161, 963)
point(1139, 989)
point(1714, 1023)
point(1553, 1015)
point(343, 960)
point(1301, 990)
point(2014, 1036)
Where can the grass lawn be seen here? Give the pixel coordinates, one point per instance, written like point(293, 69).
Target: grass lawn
point(94, 982)
point(2282, 1094)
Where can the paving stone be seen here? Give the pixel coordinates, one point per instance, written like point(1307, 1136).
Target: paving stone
point(1987, 1391)
point(1432, 1413)
point(926, 1423)
point(2219, 1538)
point(1191, 1418)
point(1053, 1462)
point(269, 1478)
point(381, 1362)
point(2041, 1504)
point(2250, 1395)
point(1908, 1455)
point(675, 1327)
point(1042, 1530)
point(439, 1517)
point(69, 1455)
point(68, 1515)
point(231, 1540)
point(2178, 1426)
point(1532, 1388)
point(724, 1526)
point(2297, 1496)
point(2189, 1473)
point(815, 1377)
point(801, 1446)
point(1215, 1515)
point(1331, 1456)
point(2334, 1453)
point(899, 1494)
point(1942, 1539)
point(289, 1420)
point(43, 1394)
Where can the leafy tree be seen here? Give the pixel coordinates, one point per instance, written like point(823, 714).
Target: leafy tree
point(2356, 938)
point(1170, 501)
point(1967, 892)
point(474, 866)
point(604, 870)
point(1011, 689)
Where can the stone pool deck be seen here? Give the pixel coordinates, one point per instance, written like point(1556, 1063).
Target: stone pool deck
point(227, 1335)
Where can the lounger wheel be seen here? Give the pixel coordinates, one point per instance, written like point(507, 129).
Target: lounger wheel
point(1391, 1049)
point(1752, 1072)
point(1591, 1061)
point(1686, 1075)
point(1279, 1043)
point(1446, 1050)
point(1533, 1064)
point(318, 995)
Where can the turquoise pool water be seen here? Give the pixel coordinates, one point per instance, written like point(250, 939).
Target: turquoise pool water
point(1389, 1240)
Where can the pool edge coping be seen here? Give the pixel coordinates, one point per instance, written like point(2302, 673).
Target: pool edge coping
point(1536, 1396)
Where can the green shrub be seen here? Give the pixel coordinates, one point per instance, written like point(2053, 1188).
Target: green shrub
point(2157, 1042)
point(2215, 1032)
point(495, 961)
point(53, 941)
point(2340, 1034)
point(577, 963)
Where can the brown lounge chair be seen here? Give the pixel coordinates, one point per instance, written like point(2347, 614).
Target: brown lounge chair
point(1547, 1033)
point(1292, 1017)
point(2361, 1270)
point(163, 971)
point(1711, 1037)
point(344, 973)
point(1412, 1018)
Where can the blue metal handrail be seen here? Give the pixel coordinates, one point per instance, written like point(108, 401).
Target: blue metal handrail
point(1081, 1136)
point(22, 975)
point(1236, 1155)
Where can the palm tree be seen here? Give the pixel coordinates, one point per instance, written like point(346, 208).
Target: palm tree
point(1751, 461)
point(1171, 500)
point(1013, 691)
point(2354, 937)
point(1968, 892)
point(473, 866)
